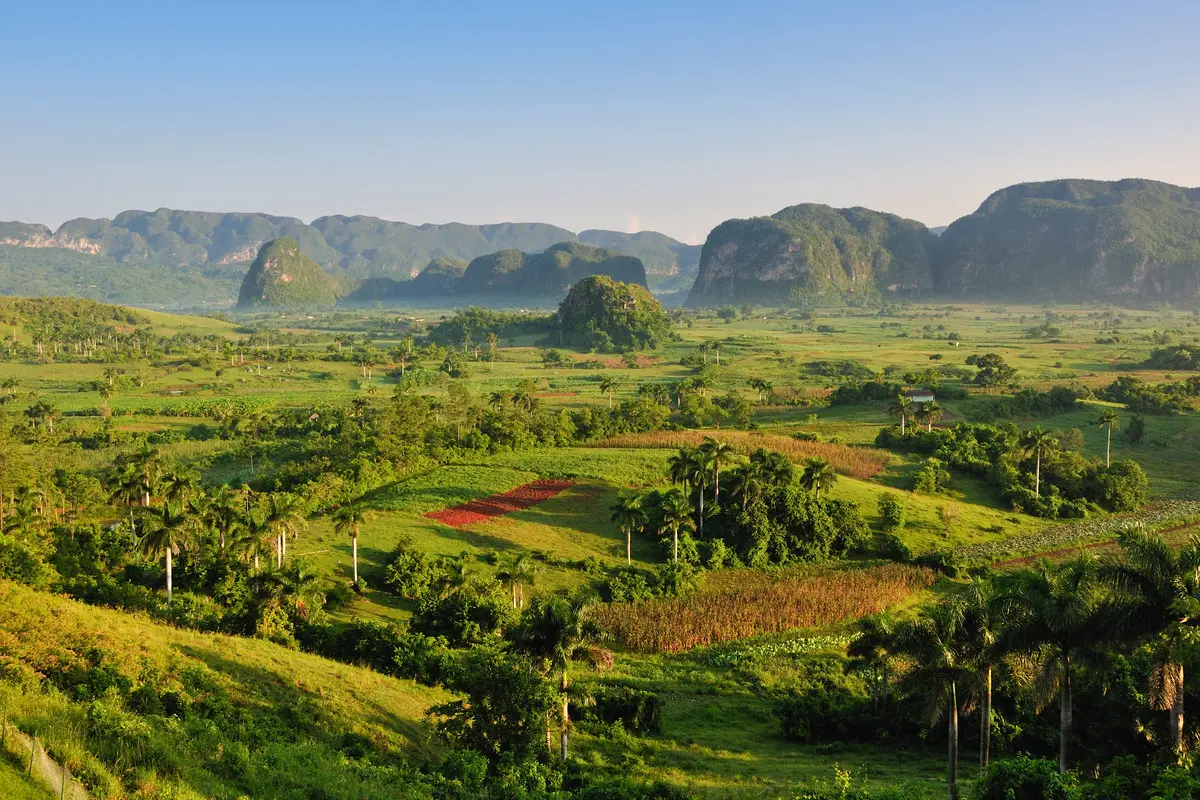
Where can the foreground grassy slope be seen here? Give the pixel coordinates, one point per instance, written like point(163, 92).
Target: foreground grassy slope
point(54, 648)
point(16, 785)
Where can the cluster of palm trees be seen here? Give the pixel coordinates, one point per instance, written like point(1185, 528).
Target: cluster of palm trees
point(904, 408)
point(697, 470)
point(1040, 624)
point(520, 399)
point(243, 522)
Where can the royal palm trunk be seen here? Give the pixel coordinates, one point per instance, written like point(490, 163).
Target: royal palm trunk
point(1064, 715)
point(985, 720)
point(952, 724)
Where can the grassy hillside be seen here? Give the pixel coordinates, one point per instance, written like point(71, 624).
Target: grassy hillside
point(125, 702)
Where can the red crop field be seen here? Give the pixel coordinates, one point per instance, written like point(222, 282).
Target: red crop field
point(498, 505)
point(748, 603)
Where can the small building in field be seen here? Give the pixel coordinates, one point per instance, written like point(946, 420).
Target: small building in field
point(921, 396)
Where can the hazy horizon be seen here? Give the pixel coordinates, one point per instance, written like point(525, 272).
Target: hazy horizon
point(629, 116)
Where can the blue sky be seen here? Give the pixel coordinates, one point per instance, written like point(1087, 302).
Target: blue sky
point(624, 115)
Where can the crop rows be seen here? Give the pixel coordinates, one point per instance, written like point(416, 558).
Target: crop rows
point(1161, 514)
point(863, 463)
point(757, 604)
point(733, 655)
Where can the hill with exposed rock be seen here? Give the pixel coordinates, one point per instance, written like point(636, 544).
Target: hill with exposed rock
point(283, 277)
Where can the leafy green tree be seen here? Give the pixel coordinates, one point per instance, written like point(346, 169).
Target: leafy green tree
point(505, 709)
point(891, 512)
point(993, 371)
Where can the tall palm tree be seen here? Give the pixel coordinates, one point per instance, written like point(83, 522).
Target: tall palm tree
point(167, 530)
point(1051, 611)
point(1109, 420)
point(689, 467)
point(517, 568)
point(180, 485)
point(935, 641)
point(284, 518)
point(224, 511)
point(1157, 589)
point(748, 482)
point(302, 585)
point(25, 517)
point(717, 453)
point(556, 631)
point(628, 513)
point(875, 648)
point(818, 476)
point(981, 630)
point(776, 468)
point(608, 385)
point(930, 413)
point(1037, 441)
point(150, 466)
point(901, 407)
point(676, 517)
point(349, 519)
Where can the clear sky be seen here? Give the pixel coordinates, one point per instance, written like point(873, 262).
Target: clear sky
point(614, 114)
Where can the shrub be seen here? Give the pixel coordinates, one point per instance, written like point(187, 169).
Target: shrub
point(636, 709)
point(891, 512)
point(1025, 779)
point(629, 585)
point(946, 562)
point(932, 478)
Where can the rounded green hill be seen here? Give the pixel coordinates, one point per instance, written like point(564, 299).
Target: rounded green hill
point(283, 277)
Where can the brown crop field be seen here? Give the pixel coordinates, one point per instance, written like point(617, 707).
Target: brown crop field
point(863, 463)
point(752, 602)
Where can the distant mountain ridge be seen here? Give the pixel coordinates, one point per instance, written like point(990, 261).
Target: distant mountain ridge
point(218, 246)
point(815, 252)
point(510, 276)
point(1130, 240)
point(1133, 241)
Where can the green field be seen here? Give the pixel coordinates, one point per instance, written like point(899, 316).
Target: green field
point(720, 734)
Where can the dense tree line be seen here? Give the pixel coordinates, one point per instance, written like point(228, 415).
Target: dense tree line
point(1081, 661)
point(1031, 468)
